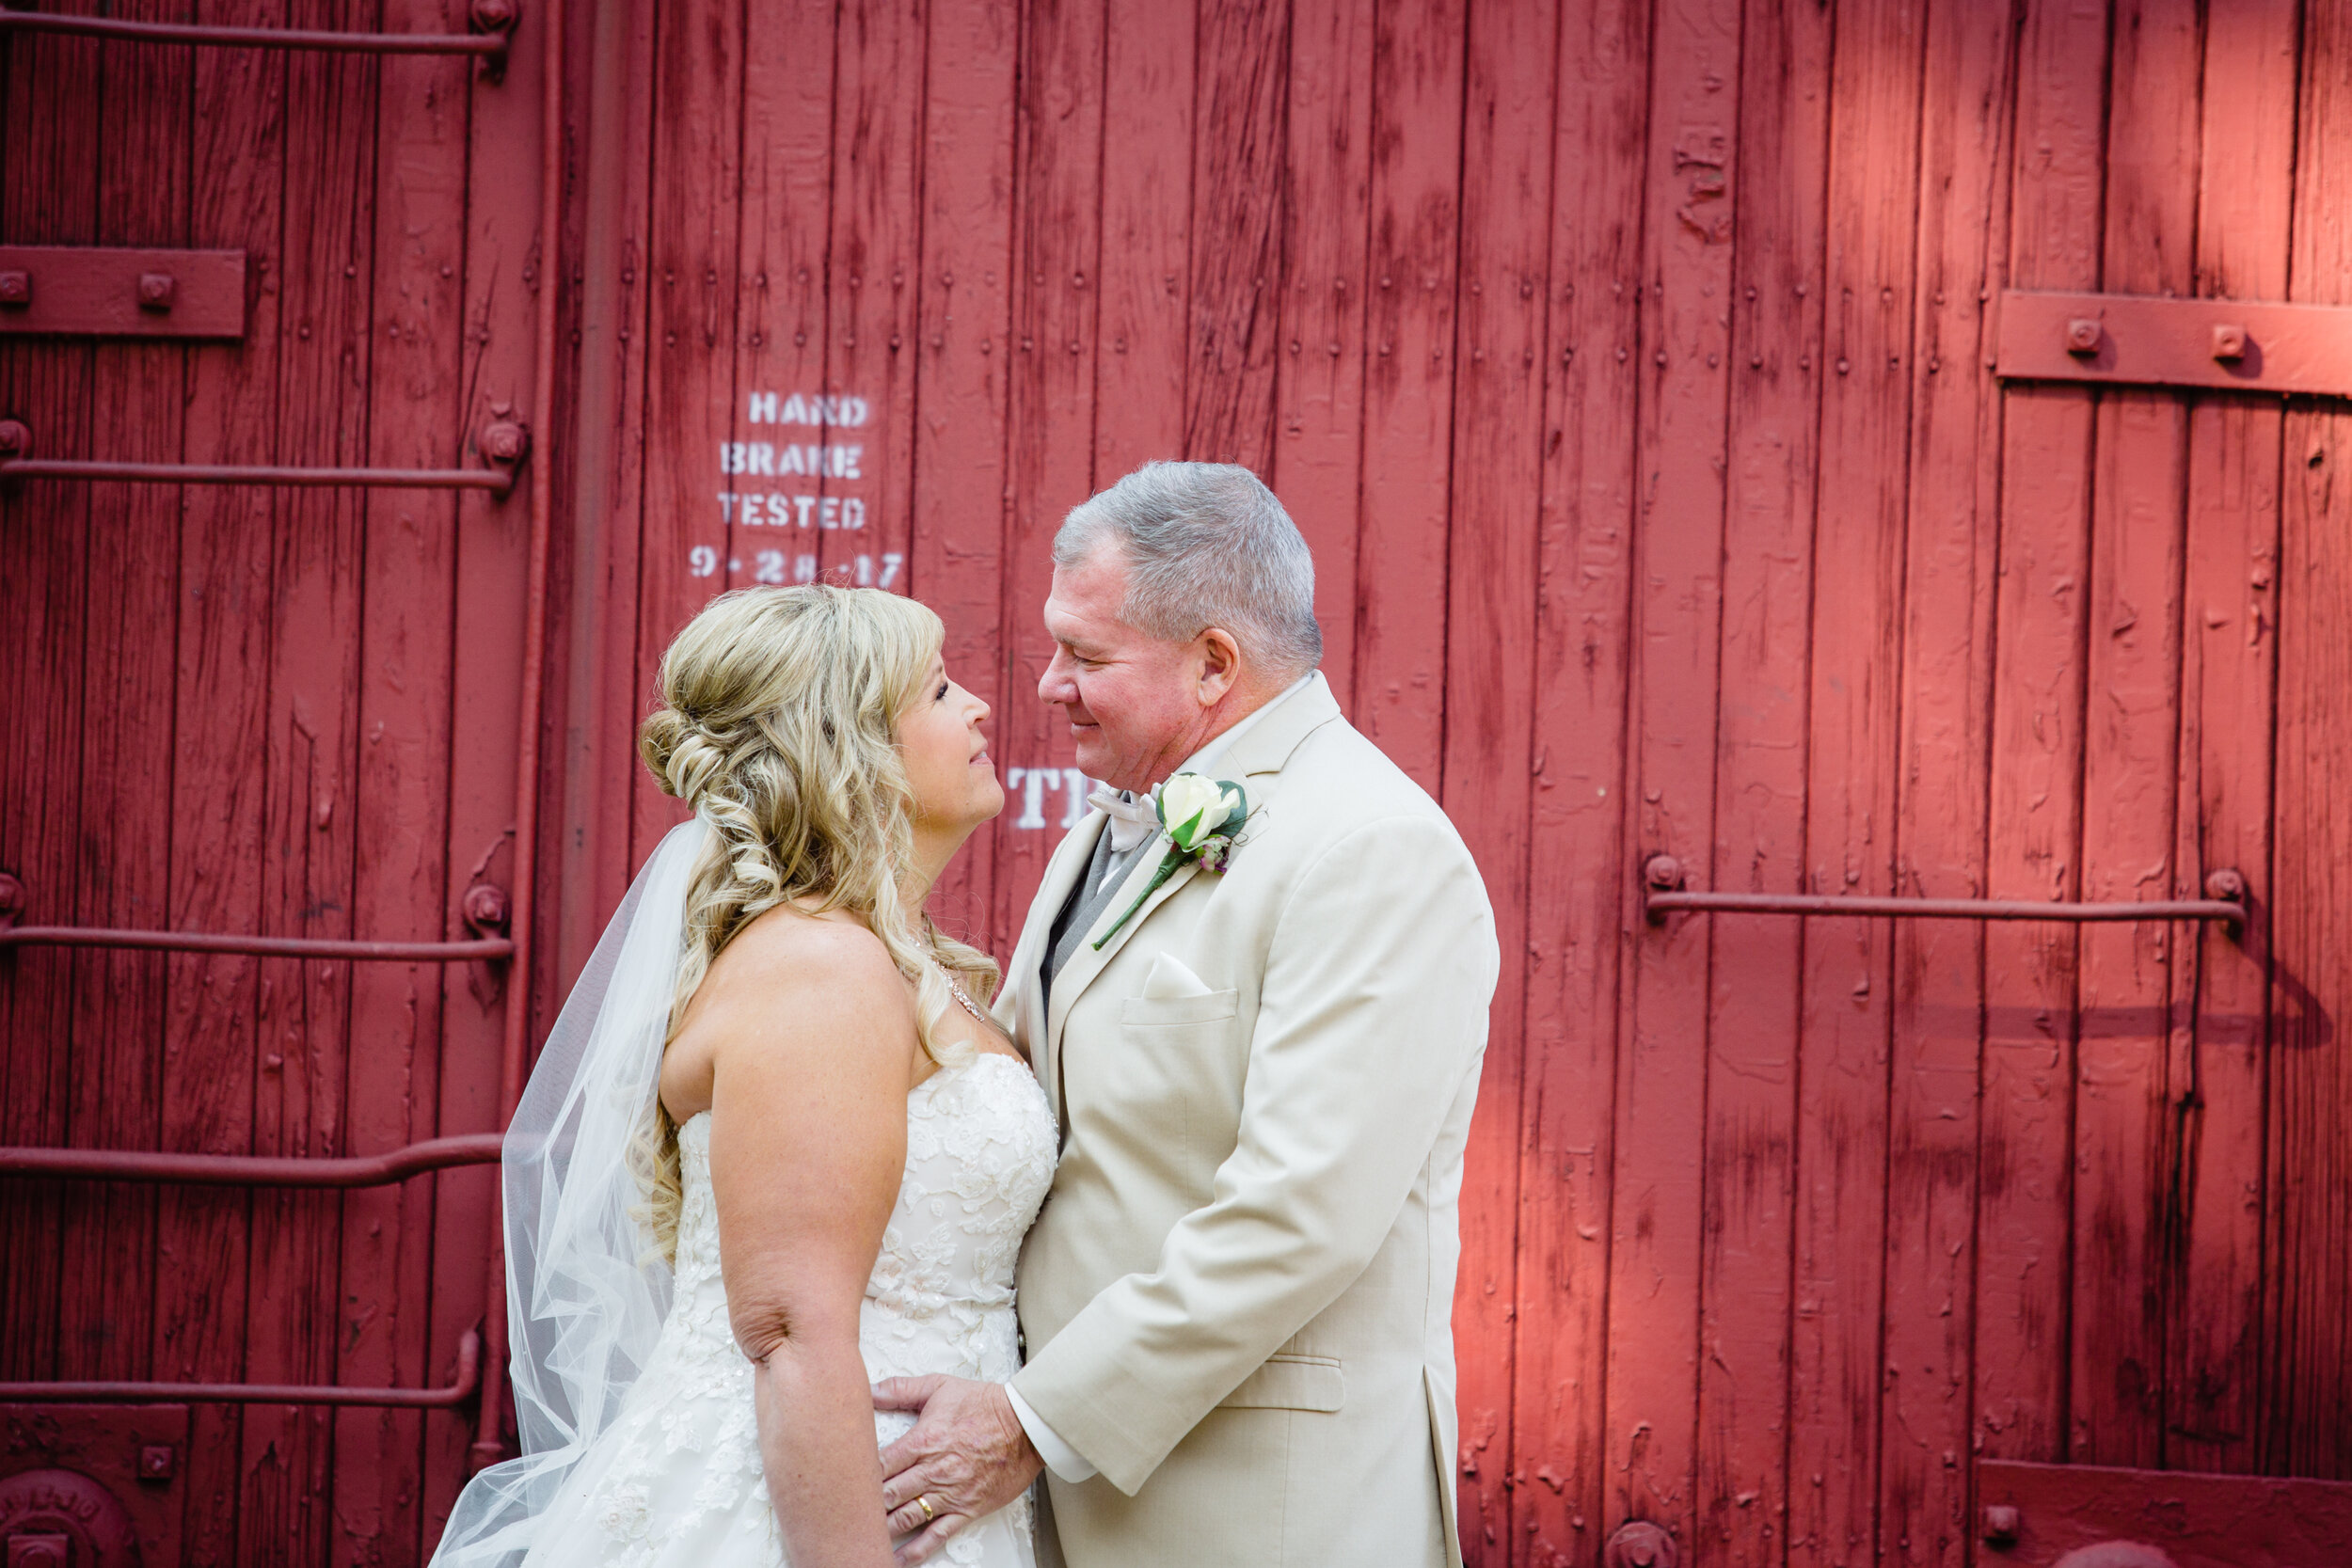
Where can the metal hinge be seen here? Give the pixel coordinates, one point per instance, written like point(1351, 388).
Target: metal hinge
point(2142, 340)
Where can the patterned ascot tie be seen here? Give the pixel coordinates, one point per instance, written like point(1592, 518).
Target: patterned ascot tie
point(1132, 826)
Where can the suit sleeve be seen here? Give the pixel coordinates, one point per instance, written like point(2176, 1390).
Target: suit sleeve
point(1372, 1014)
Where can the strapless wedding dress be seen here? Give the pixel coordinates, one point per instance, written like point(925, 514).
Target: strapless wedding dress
point(676, 1482)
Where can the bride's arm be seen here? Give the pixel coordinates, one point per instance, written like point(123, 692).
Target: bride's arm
point(814, 1035)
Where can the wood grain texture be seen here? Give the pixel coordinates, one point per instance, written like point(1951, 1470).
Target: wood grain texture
point(1689, 213)
point(1951, 540)
point(1055, 347)
point(2024, 1182)
point(1577, 917)
point(2229, 671)
point(1317, 459)
point(2308, 1392)
point(1143, 278)
point(1239, 142)
point(1509, 94)
point(1779, 189)
point(1399, 636)
point(2124, 1216)
point(964, 313)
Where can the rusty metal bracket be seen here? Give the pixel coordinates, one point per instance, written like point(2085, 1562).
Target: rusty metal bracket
point(488, 43)
point(102, 292)
point(16, 439)
point(1662, 894)
point(2100, 1516)
point(251, 1170)
point(460, 1390)
point(2141, 340)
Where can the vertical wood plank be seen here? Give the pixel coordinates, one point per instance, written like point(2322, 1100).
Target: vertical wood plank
point(125, 843)
point(1144, 342)
point(1056, 223)
point(869, 352)
point(1850, 789)
point(1761, 750)
point(2229, 650)
point(2122, 1211)
point(1576, 915)
point(1938, 997)
point(418, 413)
point(961, 408)
point(1685, 289)
point(2308, 1401)
point(1239, 141)
point(50, 194)
point(800, 248)
point(1399, 634)
point(310, 805)
point(1319, 381)
point(2024, 1188)
point(1509, 90)
point(592, 654)
point(219, 782)
point(700, 86)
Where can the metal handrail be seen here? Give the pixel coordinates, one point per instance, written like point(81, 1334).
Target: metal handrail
point(500, 482)
point(490, 45)
point(269, 947)
point(461, 1390)
point(1662, 894)
point(248, 1170)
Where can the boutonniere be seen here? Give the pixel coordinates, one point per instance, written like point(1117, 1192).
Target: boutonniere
point(1203, 818)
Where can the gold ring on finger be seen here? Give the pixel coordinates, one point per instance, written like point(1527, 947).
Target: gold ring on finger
point(923, 1503)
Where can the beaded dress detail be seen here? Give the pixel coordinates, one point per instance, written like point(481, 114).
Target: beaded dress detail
point(676, 1482)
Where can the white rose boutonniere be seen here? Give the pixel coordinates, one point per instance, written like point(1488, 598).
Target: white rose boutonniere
point(1203, 818)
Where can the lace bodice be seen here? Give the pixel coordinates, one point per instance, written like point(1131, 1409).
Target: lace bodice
point(683, 1484)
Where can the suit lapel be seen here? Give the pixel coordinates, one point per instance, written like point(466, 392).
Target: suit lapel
point(1021, 1008)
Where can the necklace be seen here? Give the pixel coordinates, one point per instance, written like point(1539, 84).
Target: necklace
point(969, 1006)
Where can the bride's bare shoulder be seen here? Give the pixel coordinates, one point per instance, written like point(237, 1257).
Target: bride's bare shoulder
point(795, 959)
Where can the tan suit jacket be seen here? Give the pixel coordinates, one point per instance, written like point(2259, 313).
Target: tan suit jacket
point(1238, 1299)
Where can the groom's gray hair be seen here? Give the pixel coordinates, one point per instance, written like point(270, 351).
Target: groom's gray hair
point(1206, 545)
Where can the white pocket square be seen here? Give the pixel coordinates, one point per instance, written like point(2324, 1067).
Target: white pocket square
point(1171, 978)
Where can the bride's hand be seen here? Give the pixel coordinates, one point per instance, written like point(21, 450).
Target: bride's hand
point(966, 1458)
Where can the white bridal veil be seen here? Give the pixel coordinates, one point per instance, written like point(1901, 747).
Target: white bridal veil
point(584, 1300)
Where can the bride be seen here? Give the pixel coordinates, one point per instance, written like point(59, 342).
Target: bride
point(773, 1151)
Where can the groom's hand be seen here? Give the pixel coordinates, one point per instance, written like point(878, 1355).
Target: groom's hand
point(967, 1457)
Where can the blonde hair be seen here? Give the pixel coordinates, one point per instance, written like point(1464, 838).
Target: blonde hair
point(778, 724)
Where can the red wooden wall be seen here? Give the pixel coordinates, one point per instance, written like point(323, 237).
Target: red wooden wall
point(1626, 363)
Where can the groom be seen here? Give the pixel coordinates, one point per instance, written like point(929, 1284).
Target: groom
point(1237, 1301)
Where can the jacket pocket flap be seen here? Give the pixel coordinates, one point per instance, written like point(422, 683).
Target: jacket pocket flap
point(1205, 1008)
point(1291, 1382)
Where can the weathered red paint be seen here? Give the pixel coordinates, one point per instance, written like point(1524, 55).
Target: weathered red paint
point(1632, 365)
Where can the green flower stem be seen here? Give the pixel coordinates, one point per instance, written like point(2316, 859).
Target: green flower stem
point(1169, 864)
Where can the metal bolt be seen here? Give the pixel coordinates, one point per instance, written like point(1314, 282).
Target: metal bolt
point(2083, 336)
point(16, 439)
point(505, 440)
point(16, 288)
point(1663, 873)
point(11, 899)
point(485, 906)
point(2226, 884)
point(44, 1551)
point(2229, 340)
point(157, 1461)
point(2000, 1525)
point(1639, 1543)
point(492, 16)
point(156, 290)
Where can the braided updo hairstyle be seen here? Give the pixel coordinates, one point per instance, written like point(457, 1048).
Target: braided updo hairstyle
point(778, 725)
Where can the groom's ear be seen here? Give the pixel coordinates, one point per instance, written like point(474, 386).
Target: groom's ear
point(1219, 659)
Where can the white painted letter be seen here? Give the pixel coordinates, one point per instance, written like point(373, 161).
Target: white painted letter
point(750, 518)
point(726, 505)
point(890, 569)
point(1033, 795)
point(795, 411)
point(763, 410)
point(829, 511)
point(804, 502)
point(1078, 787)
point(852, 512)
